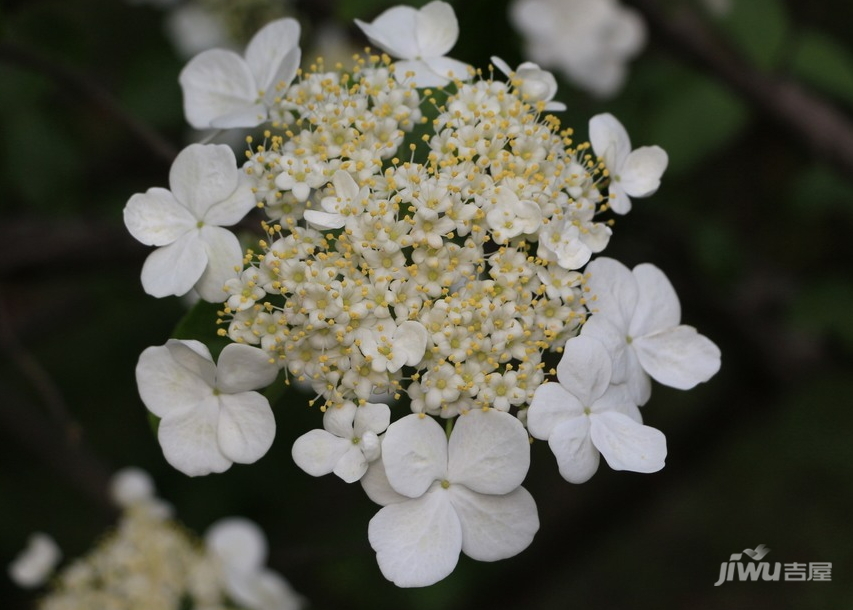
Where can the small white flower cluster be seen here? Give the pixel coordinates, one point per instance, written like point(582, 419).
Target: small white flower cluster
point(150, 561)
point(420, 242)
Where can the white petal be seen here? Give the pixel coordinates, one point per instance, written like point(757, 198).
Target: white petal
point(194, 356)
point(615, 290)
point(488, 452)
point(224, 260)
point(410, 338)
point(174, 269)
point(202, 176)
point(495, 527)
point(417, 542)
point(371, 417)
point(641, 174)
point(324, 220)
point(418, 73)
point(346, 188)
point(436, 29)
point(164, 385)
point(678, 357)
point(617, 398)
point(414, 451)
point(261, 588)
point(33, 566)
point(317, 451)
point(577, 457)
point(352, 465)
point(394, 32)
point(188, 439)
point(447, 68)
point(246, 427)
point(657, 306)
point(376, 486)
point(232, 210)
point(338, 419)
point(551, 405)
point(216, 83)
point(627, 445)
point(243, 367)
point(585, 369)
point(131, 486)
point(247, 115)
point(614, 340)
point(609, 140)
point(636, 378)
point(267, 50)
point(238, 543)
point(155, 218)
point(618, 199)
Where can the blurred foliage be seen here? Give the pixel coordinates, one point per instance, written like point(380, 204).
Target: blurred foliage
point(753, 230)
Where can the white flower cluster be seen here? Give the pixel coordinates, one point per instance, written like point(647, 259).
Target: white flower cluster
point(150, 561)
point(432, 243)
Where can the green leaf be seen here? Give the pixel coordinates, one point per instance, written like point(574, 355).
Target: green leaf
point(824, 63)
point(200, 323)
point(759, 28)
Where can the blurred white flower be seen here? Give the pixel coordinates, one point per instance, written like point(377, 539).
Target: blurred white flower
point(589, 41)
point(34, 565)
point(240, 548)
point(584, 416)
point(442, 497)
point(420, 38)
point(633, 173)
point(636, 315)
point(209, 417)
point(207, 193)
point(224, 90)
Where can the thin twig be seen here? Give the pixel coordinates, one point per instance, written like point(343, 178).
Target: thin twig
point(826, 132)
point(90, 90)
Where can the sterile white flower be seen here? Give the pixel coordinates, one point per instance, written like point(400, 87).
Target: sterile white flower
point(209, 417)
point(633, 173)
point(207, 193)
point(224, 90)
point(636, 315)
point(240, 548)
point(349, 442)
point(535, 84)
point(584, 416)
point(589, 41)
point(420, 38)
point(442, 497)
point(34, 565)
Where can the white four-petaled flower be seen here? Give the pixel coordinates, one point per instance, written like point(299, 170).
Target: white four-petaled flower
point(584, 416)
point(442, 497)
point(420, 38)
point(207, 193)
point(240, 549)
point(633, 173)
point(223, 90)
point(349, 442)
point(637, 317)
point(209, 417)
point(534, 83)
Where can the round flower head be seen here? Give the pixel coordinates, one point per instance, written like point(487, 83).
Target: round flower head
point(207, 193)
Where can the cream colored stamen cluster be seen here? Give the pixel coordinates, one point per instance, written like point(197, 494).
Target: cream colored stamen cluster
point(472, 232)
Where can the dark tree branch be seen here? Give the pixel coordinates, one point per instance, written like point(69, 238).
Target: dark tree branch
point(826, 132)
point(91, 91)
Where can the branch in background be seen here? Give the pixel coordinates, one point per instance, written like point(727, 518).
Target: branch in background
point(827, 132)
point(91, 91)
